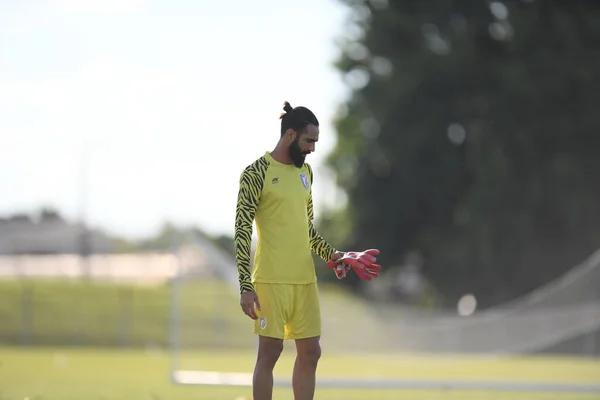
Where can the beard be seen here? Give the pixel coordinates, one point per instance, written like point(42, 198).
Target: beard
point(296, 154)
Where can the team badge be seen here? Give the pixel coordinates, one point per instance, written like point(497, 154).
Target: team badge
point(263, 322)
point(304, 180)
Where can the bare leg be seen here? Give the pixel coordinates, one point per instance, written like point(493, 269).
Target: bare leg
point(269, 350)
point(308, 352)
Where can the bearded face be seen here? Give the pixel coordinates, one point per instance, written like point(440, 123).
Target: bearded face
point(297, 155)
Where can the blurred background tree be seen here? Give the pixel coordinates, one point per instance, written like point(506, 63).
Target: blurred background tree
point(470, 136)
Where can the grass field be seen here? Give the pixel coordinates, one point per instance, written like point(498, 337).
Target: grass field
point(94, 374)
point(106, 341)
point(67, 312)
point(57, 313)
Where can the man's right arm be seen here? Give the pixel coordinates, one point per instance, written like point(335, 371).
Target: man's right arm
point(247, 203)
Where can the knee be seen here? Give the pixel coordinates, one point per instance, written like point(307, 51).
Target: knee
point(310, 355)
point(268, 355)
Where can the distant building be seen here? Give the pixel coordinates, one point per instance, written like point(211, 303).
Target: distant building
point(22, 235)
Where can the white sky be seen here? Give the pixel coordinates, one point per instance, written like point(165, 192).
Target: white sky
point(167, 101)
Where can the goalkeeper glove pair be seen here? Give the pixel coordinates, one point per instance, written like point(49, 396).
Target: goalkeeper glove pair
point(363, 263)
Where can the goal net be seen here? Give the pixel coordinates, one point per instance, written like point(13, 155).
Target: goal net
point(370, 346)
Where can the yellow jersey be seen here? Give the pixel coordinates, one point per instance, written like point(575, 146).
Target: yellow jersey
point(278, 197)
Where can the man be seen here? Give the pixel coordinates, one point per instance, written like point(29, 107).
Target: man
point(280, 294)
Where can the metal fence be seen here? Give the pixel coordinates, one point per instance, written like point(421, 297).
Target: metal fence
point(130, 300)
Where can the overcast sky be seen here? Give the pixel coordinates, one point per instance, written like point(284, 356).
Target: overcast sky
point(152, 109)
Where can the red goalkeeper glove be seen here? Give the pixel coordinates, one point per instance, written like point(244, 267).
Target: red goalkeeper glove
point(338, 267)
point(364, 264)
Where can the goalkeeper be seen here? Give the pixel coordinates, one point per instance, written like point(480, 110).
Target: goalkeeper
point(280, 293)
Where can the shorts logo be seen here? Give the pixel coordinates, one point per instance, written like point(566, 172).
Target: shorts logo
point(263, 322)
point(304, 180)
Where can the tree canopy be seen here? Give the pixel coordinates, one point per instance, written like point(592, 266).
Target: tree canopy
point(471, 136)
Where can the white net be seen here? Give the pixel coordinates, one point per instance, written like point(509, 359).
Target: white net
point(384, 346)
point(562, 316)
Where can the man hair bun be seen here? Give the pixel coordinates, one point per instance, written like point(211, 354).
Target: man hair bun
point(287, 107)
point(296, 118)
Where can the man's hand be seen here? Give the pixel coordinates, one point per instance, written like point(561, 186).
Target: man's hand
point(363, 263)
point(337, 266)
point(247, 301)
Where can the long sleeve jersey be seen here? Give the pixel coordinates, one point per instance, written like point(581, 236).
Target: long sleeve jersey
point(279, 198)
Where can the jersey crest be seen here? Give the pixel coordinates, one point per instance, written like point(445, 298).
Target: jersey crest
point(304, 181)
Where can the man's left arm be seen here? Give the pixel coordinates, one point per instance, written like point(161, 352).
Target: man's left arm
point(317, 243)
point(363, 263)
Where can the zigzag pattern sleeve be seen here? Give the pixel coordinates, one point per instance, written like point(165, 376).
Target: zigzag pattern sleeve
point(317, 243)
point(251, 185)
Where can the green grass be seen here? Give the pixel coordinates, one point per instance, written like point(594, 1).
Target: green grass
point(57, 313)
point(94, 374)
point(106, 314)
point(107, 341)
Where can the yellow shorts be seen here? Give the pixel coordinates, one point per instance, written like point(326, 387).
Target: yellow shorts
point(288, 311)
